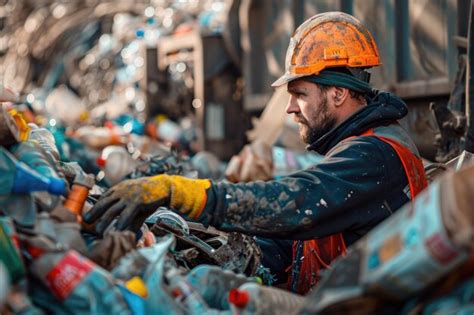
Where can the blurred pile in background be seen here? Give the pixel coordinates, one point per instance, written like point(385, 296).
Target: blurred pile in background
point(82, 63)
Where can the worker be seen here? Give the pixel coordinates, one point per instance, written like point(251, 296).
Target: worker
point(370, 167)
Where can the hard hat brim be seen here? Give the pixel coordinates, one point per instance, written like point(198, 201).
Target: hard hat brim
point(286, 78)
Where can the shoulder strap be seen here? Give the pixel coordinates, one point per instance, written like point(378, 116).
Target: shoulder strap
point(412, 165)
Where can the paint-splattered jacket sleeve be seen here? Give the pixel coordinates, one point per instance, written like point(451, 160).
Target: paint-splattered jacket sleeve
point(347, 190)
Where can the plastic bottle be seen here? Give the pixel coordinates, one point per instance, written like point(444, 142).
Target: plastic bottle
point(252, 298)
point(18, 178)
point(185, 294)
point(32, 154)
point(116, 163)
point(99, 137)
point(67, 234)
point(79, 193)
point(45, 139)
point(72, 280)
point(214, 284)
point(164, 129)
point(10, 255)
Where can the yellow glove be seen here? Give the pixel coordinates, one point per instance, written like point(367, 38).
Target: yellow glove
point(132, 201)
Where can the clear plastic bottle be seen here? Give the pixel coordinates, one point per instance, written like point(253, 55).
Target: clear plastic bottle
point(214, 284)
point(45, 139)
point(252, 298)
point(186, 295)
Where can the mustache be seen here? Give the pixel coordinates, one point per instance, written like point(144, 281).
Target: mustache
point(299, 119)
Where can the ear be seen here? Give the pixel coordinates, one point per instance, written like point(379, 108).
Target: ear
point(340, 95)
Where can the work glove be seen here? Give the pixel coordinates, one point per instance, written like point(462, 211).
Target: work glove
point(132, 201)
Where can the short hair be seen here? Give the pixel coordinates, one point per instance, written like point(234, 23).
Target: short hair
point(354, 94)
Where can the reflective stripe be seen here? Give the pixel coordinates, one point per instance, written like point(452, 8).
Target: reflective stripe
point(317, 254)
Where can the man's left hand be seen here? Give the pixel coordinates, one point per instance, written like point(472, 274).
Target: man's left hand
point(132, 201)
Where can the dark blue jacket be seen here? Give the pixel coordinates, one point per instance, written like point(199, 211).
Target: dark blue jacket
point(359, 183)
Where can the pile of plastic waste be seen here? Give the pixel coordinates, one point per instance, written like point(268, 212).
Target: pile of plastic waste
point(51, 262)
point(418, 261)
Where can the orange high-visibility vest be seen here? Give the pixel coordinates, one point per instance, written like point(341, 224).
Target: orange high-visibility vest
point(318, 253)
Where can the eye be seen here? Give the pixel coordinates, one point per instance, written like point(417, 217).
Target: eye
point(297, 93)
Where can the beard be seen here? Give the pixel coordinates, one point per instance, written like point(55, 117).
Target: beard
point(322, 121)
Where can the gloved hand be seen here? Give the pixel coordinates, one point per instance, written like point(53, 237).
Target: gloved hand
point(132, 201)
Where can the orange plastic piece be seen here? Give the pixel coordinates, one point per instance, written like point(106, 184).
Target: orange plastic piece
point(330, 39)
point(76, 199)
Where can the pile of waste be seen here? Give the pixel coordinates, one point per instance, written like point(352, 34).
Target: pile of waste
point(417, 261)
point(52, 262)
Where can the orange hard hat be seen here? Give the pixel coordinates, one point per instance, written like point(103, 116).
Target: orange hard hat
point(328, 40)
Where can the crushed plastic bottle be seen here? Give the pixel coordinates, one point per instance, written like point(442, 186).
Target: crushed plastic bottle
point(45, 139)
point(149, 265)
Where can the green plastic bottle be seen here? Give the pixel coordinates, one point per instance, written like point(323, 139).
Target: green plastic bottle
point(9, 253)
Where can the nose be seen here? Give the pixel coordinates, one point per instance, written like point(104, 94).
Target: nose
point(292, 106)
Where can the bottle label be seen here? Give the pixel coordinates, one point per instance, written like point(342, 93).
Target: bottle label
point(67, 274)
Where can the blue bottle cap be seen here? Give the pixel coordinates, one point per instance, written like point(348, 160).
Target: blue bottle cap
point(57, 186)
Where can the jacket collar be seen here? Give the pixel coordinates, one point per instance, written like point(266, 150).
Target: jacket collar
point(383, 109)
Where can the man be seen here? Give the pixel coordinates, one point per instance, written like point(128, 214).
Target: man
point(370, 169)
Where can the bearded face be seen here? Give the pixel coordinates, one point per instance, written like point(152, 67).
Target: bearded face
point(318, 121)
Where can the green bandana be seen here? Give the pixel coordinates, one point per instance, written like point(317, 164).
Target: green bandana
point(334, 78)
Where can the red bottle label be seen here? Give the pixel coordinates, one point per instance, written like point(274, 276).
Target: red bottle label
point(441, 249)
point(67, 274)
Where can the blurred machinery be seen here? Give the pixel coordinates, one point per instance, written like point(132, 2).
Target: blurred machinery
point(425, 61)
